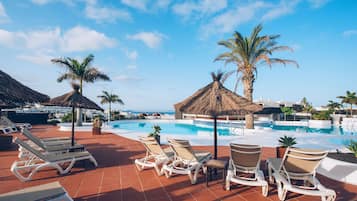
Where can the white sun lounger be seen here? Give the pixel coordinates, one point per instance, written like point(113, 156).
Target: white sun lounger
point(186, 160)
point(15, 126)
point(244, 161)
point(49, 192)
point(155, 155)
point(39, 160)
point(5, 129)
point(299, 165)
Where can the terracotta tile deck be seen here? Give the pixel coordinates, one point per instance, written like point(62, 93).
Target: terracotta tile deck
point(116, 178)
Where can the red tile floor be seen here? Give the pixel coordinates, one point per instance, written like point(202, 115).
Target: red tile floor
point(116, 177)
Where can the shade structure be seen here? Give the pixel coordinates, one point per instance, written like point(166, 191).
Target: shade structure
point(13, 93)
point(74, 100)
point(214, 100)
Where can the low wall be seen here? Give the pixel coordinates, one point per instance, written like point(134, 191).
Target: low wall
point(338, 170)
point(291, 123)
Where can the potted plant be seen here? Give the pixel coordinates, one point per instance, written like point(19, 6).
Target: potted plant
point(97, 126)
point(156, 133)
point(285, 142)
point(352, 146)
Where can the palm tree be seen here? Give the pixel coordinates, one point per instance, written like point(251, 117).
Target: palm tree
point(307, 107)
point(333, 106)
point(82, 72)
point(110, 98)
point(349, 98)
point(248, 53)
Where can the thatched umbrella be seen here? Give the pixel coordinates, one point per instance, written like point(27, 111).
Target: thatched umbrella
point(214, 99)
point(75, 100)
point(13, 93)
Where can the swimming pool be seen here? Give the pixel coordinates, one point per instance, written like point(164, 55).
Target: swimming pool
point(224, 128)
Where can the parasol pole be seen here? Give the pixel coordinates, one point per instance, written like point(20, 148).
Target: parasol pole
point(72, 125)
point(215, 135)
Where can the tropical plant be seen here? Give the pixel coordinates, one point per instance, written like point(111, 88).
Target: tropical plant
point(352, 146)
point(248, 53)
point(109, 98)
point(80, 71)
point(306, 106)
point(322, 115)
point(287, 141)
point(156, 131)
point(333, 106)
point(68, 117)
point(287, 111)
point(97, 122)
point(350, 98)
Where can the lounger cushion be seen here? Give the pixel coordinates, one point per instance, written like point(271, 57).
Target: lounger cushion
point(41, 192)
point(275, 163)
point(65, 156)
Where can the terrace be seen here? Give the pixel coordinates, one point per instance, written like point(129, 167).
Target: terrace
point(116, 177)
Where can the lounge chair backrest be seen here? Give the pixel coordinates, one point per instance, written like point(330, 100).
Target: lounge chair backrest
point(302, 161)
point(5, 121)
point(245, 157)
point(182, 149)
point(151, 145)
point(33, 138)
point(30, 149)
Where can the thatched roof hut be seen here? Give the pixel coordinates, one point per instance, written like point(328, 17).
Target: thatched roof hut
point(215, 99)
point(74, 99)
point(13, 93)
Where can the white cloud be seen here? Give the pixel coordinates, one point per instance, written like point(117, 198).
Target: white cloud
point(127, 78)
point(199, 8)
point(131, 67)
point(138, 4)
point(75, 39)
point(318, 3)
point(37, 58)
point(283, 8)
point(133, 55)
point(349, 33)
point(3, 16)
point(82, 39)
point(7, 38)
point(44, 2)
point(105, 14)
point(147, 5)
point(229, 20)
point(151, 39)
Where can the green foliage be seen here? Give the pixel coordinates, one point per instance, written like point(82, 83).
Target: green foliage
point(287, 141)
point(307, 107)
point(333, 106)
point(322, 115)
point(287, 110)
point(53, 122)
point(68, 117)
point(350, 98)
point(156, 131)
point(352, 146)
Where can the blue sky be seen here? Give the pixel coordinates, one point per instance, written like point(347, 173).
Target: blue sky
point(158, 52)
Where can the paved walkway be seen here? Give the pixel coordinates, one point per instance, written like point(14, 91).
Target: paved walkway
point(116, 178)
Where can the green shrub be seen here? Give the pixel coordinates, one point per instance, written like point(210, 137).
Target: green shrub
point(287, 141)
point(68, 118)
point(53, 122)
point(322, 115)
point(352, 146)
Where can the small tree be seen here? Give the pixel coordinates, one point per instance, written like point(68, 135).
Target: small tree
point(287, 111)
point(333, 106)
point(350, 98)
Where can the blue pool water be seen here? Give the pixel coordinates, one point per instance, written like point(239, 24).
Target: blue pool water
point(223, 129)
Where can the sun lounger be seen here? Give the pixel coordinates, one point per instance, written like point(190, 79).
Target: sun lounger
point(244, 167)
point(186, 160)
point(51, 192)
point(15, 126)
point(55, 145)
point(39, 160)
point(296, 172)
point(5, 129)
point(155, 155)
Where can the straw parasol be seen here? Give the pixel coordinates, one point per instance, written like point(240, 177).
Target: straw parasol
point(13, 93)
point(75, 100)
point(214, 100)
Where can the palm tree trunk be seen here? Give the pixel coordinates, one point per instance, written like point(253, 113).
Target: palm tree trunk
point(79, 110)
point(248, 94)
point(110, 113)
